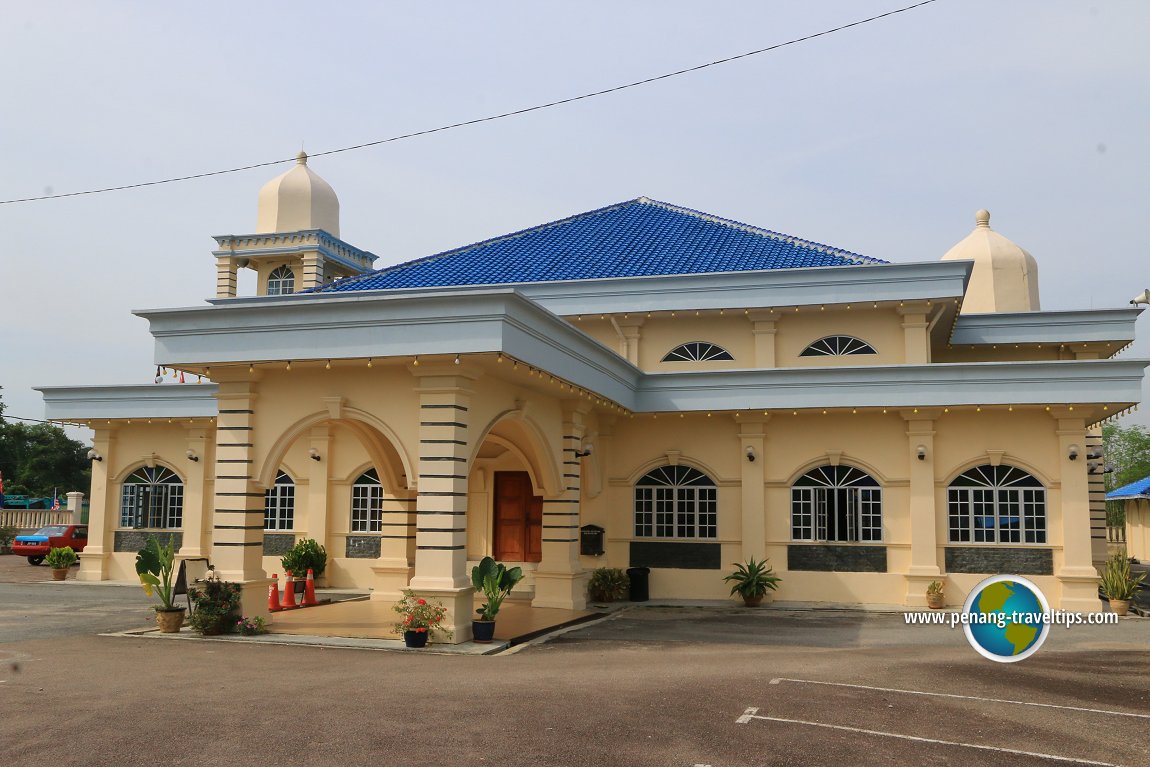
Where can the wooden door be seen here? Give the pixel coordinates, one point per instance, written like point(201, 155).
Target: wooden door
point(518, 526)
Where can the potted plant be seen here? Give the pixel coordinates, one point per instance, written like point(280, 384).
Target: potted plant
point(304, 555)
point(608, 584)
point(7, 535)
point(216, 606)
point(155, 564)
point(60, 560)
point(752, 581)
point(1118, 584)
point(420, 618)
point(495, 582)
point(934, 596)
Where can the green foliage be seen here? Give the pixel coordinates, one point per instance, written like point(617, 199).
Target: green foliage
point(216, 606)
point(753, 579)
point(7, 535)
point(495, 581)
point(608, 584)
point(935, 587)
point(251, 627)
point(306, 553)
point(420, 615)
point(37, 458)
point(1127, 449)
point(61, 558)
point(1117, 580)
point(155, 564)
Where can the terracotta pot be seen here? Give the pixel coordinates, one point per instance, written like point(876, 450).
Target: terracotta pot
point(753, 601)
point(1120, 606)
point(59, 573)
point(935, 601)
point(170, 621)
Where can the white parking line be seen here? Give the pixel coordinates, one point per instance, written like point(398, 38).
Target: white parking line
point(964, 697)
point(751, 713)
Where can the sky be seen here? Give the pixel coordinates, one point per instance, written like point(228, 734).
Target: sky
point(883, 139)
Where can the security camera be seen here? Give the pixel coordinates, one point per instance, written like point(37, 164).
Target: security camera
point(1141, 298)
point(750, 454)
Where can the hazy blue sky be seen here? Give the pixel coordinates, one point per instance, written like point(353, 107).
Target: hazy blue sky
point(882, 139)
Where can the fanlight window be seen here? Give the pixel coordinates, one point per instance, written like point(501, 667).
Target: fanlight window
point(281, 281)
point(996, 504)
point(367, 503)
point(837, 346)
point(697, 351)
point(279, 504)
point(836, 503)
point(675, 502)
point(152, 498)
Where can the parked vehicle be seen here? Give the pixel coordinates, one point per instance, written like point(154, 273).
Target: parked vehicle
point(37, 545)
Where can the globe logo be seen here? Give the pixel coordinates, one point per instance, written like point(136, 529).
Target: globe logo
point(1004, 618)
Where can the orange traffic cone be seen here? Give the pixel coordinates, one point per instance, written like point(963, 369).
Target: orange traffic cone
point(289, 592)
point(309, 590)
point(274, 594)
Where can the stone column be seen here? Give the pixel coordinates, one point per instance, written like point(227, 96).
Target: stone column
point(559, 579)
point(1077, 575)
point(764, 327)
point(225, 277)
point(632, 334)
point(238, 519)
point(103, 510)
point(441, 501)
point(194, 543)
point(317, 524)
point(752, 436)
point(915, 326)
point(76, 506)
point(313, 266)
point(923, 514)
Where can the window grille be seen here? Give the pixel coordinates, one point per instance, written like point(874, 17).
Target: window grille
point(836, 503)
point(837, 346)
point(279, 504)
point(281, 281)
point(367, 503)
point(996, 504)
point(152, 498)
point(697, 351)
point(676, 502)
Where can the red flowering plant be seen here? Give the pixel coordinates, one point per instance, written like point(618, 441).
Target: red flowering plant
point(419, 615)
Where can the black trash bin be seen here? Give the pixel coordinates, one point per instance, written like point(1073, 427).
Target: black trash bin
point(640, 584)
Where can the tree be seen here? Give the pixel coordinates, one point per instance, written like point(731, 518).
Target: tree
point(1128, 451)
point(39, 458)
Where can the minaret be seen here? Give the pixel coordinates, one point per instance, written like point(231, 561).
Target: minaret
point(296, 245)
point(1005, 277)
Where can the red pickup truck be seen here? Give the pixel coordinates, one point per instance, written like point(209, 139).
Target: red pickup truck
point(36, 545)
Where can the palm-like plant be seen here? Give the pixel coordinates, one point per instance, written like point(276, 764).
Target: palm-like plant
point(155, 564)
point(495, 581)
point(753, 579)
point(1118, 582)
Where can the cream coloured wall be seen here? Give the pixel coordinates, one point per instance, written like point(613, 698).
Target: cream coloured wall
point(881, 328)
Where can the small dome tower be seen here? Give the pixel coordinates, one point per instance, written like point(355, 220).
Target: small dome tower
point(298, 200)
point(1005, 277)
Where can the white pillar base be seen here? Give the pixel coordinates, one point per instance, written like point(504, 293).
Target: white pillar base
point(460, 604)
point(566, 591)
point(93, 566)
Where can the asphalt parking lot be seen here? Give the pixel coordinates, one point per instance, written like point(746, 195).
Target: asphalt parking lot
point(648, 686)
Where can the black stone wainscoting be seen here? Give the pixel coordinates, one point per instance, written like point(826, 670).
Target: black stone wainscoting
point(837, 559)
point(677, 556)
point(984, 560)
point(278, 544)
point(362, 547)
point(134, 540)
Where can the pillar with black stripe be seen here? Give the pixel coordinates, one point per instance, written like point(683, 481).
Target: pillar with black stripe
point(445, 443)
point(238, 510)
point(560, 580)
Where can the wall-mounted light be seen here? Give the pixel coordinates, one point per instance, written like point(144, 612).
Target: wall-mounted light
point(94, 456)
point(920, 451)
point(191, 454)
point(313, 454)
point(750, 454)
point(1094, 453)
point(1072, 453)
point(586, 451)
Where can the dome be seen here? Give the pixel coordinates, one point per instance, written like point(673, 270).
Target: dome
point(1005, 277)
point(298, 199)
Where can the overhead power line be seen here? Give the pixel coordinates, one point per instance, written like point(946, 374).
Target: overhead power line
point(489, 118)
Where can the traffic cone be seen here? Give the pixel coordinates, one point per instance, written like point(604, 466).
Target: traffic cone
point(309, 590)
point(289, 592)
point(274, 594)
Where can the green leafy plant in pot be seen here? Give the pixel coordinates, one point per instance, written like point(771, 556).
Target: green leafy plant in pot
point(155, 564)
point(1118, 584)
point(752, 580)
point(305, 554)
point(60, 560)
point(217, 606)
point(608, 584)
point(495, 582)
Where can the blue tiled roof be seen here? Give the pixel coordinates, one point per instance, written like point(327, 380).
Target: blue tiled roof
point(1137, 489)
point(636, 238)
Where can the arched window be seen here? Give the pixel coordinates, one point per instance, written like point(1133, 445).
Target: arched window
point(996, 504)
point(675, 502)
point(281, 281)
point(279, 504)
point(367, 503)
point(152, 498)
point(836, 503)
point(697, 351)
point(837, 346)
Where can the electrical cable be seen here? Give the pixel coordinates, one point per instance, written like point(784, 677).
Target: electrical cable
point(489, 118)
